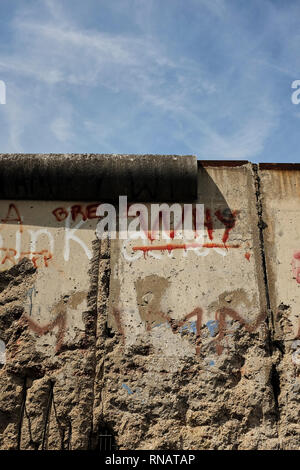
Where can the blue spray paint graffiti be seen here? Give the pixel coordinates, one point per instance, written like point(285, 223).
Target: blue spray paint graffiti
point(127, 389)
point(191, 327)
point(213, 326)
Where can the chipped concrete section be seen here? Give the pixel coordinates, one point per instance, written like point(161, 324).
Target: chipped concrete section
point(188, 364)
point(47, 321)
point(148, 343)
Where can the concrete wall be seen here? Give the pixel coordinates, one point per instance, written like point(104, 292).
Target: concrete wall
point(157, 345)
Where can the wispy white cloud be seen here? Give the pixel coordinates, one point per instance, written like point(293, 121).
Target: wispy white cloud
point(61, 125)
point(202, 84)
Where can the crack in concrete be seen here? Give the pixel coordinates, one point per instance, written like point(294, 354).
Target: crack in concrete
point(103, 289)
point(47, 417)
point(272, 343)
point(22, 412)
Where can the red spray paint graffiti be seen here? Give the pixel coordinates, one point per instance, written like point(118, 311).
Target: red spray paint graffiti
point(227, 219)
point(13, 215)
point(175, 325)
point(296, 266)
point(86, 212)
point(44, 256)
point(184, 246)
point(59, 322)
point(220, 316)
point(209, 224)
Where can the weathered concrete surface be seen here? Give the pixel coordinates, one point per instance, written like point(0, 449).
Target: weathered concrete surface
point(187, 362)
point(161, 347)
point(47, 322)
point(280, 191)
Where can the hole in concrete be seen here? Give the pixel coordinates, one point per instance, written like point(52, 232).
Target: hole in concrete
point(108, 332)
point(106, 438)
point(275, 384)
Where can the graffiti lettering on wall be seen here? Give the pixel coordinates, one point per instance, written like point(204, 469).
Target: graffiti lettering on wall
point(13, 215)
point(75, 216)
point(139, 212)
point(84, 212)
point(38, 258)
point(199, 246)
point(224, 312)
point(26, 239)
point(176, 325)
point(183, 246)
point(226, 217)
point(59, 322)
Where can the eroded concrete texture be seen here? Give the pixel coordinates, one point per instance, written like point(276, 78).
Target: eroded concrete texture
point(47, 322)
point(155, 344)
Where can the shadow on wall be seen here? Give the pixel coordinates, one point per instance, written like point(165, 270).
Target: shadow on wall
point(79, 214)
point(216, 209)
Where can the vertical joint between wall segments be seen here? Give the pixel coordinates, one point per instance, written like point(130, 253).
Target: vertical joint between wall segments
point(261, 226)
point(95, 288)
point(274, 375)
point(103, 285)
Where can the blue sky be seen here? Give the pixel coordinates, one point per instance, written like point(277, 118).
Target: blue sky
point(205, 77)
